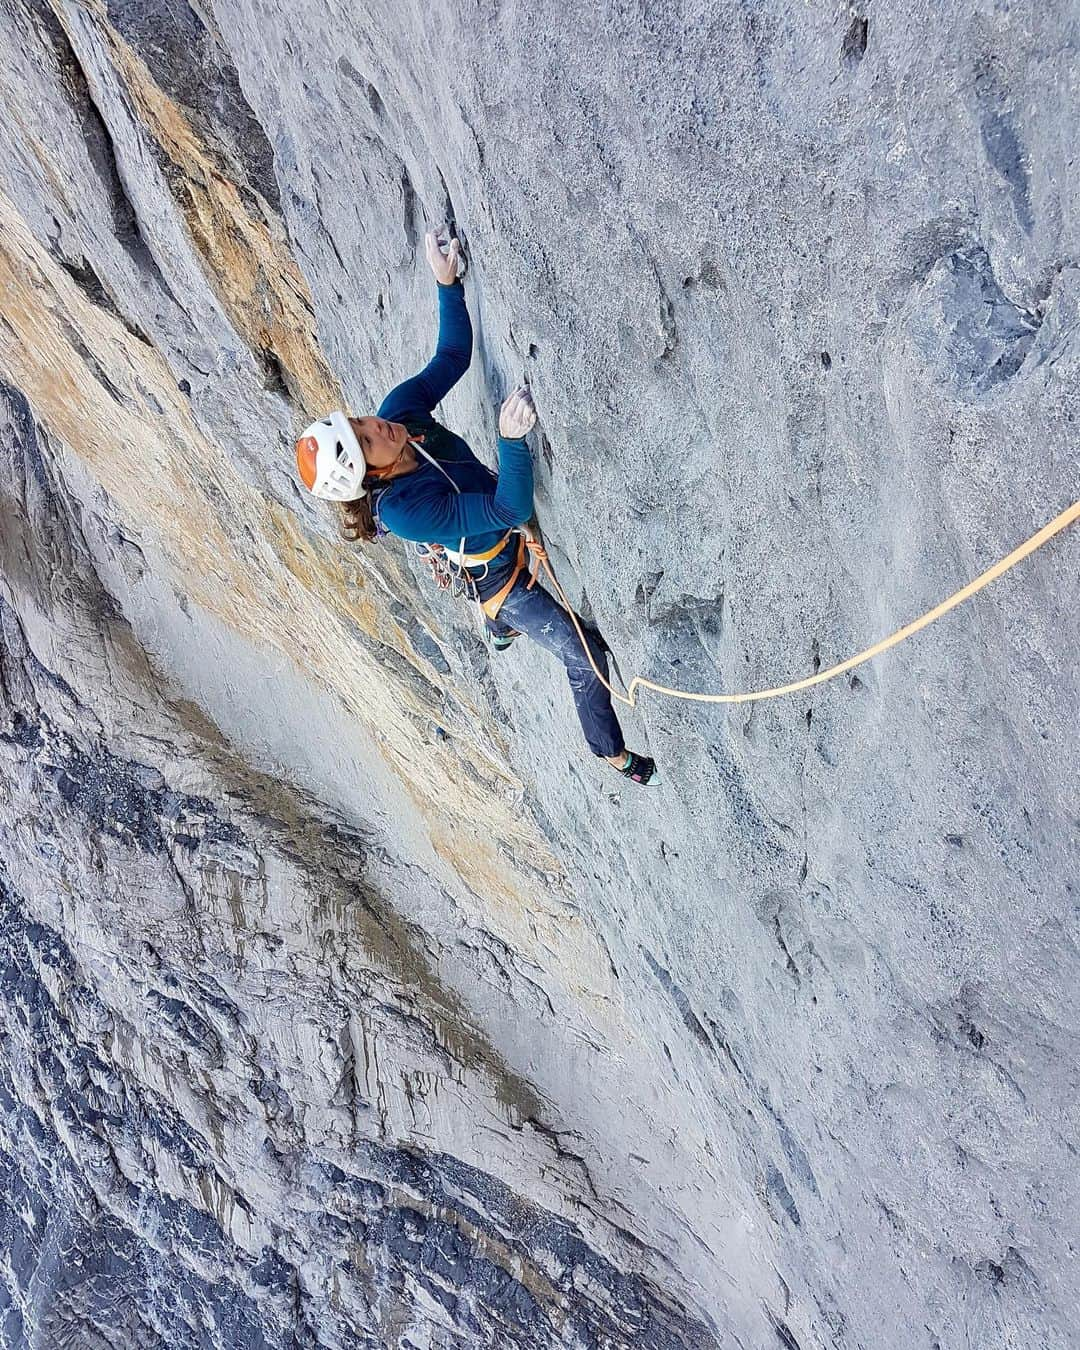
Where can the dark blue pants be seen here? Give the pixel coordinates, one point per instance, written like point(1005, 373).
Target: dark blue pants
point(539, 616)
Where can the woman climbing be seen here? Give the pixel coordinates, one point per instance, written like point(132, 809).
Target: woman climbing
point(401, 472)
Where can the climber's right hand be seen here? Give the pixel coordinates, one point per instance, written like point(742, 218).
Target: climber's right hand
point(517, 415)
point(445, 265)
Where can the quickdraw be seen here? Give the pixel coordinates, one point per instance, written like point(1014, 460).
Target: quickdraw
point(447, 575)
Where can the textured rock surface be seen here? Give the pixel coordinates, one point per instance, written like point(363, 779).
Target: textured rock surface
point(345, 1001)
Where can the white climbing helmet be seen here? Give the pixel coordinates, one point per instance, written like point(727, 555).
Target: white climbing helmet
point(330, 461)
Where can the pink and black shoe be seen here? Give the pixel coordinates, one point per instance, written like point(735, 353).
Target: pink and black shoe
point(639, 769)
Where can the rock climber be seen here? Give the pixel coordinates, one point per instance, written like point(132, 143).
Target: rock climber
point(402, 472)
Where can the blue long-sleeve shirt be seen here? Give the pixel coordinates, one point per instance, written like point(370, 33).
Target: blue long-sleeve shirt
point(422, 505)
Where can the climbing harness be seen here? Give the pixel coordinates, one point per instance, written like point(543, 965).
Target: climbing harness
point(527, 548)
point(451, 569)
point(1036, 541)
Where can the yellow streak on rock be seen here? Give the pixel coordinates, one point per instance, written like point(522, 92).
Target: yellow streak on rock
point(250, 271)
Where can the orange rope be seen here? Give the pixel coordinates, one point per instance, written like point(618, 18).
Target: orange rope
point(1037, 540)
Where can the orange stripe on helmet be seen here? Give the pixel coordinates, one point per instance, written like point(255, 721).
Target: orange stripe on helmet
point(307, 450)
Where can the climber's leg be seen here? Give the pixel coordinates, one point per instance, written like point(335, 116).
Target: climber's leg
point(537, 614)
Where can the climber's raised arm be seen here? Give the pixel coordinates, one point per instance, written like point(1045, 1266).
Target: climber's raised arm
point(453, 351)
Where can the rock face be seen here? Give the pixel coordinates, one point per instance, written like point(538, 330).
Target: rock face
point(346, 1001)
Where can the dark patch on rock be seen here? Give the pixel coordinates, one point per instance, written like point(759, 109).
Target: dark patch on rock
point(96, 369)
point(421, 640)
point(410, 210)
point(793, 1151)
point(369, 91)
point(88, 281)
point(108, 796)
point(186, 1025)
point(403, 669)
point(971, 333)
point(275, 374)
point(23, 733)
point(853, 48)
point(679, 998)
point(194, 68)
point(777, 1188)
point(754, 828)
point(1001, 138)
point(973, 1034)
point(784, 1334)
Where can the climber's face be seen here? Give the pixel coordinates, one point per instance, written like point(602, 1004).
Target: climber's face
point(382, 442)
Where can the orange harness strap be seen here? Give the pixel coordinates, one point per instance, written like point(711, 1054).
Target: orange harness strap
point(494, 603)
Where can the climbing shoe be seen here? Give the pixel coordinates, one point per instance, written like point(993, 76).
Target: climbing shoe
point(503, 640)
point(639, 769)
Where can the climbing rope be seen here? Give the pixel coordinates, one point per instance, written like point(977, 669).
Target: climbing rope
point(1037, 540)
